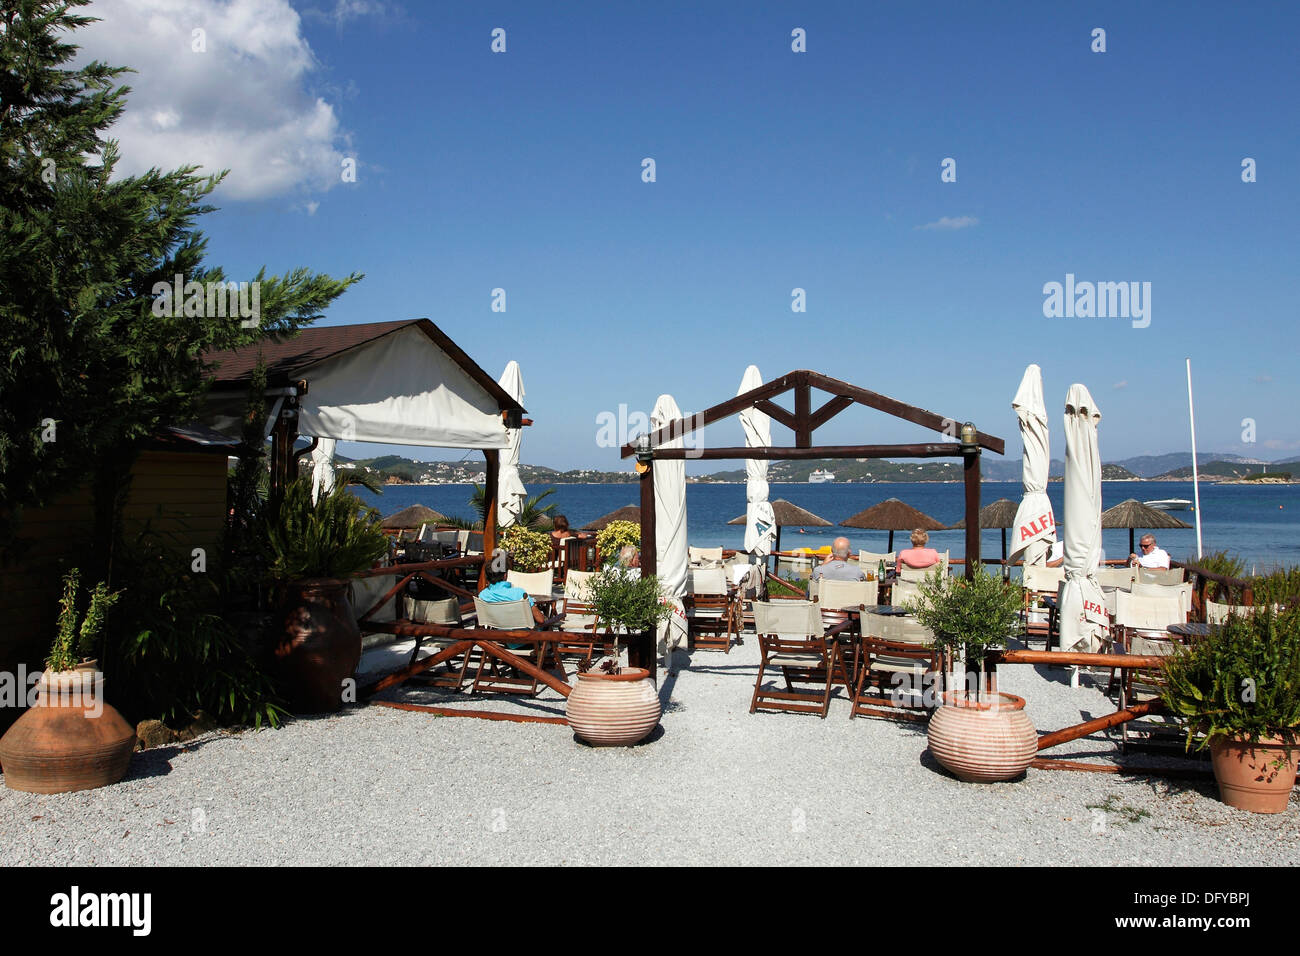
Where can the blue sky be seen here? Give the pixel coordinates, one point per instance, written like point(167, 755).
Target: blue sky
point(774, 170)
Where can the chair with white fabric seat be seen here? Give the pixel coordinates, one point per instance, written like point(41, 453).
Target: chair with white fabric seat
point(1040, 582)
point(1121, 578)
point(442, 611)
point(704, 556)
point(904, 593)
point(869, 561)
point(791, 638)
point(499, 678)
point(709, 612)
point(1218, 613)
point(898, 657)
point(847, 595)
point(1160, 575)
point(1181, 591)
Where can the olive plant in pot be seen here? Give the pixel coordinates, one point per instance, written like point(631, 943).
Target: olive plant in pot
point(314, 549)
point(612, 705)
point(977, 735)
point(1237, 692)
point(70, 739)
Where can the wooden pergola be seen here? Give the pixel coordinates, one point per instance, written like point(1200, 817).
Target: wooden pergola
point(803, 421)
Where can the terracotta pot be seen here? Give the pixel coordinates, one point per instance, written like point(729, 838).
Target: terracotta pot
point(70, 740)
point(319, 645)
point(1248, 776)
point(993, 739)
point(613, 710)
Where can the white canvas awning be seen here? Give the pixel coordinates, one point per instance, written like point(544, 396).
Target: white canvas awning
point(1084, 621)
point(671, 555)
point(511, 492)
point(760, 522)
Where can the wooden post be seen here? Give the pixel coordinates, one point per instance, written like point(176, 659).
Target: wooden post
point(971, 466)
point(641, 647)
point(490, 494)
point(284, 433)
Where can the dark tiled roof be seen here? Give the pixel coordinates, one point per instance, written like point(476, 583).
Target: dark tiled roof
point(286, 358)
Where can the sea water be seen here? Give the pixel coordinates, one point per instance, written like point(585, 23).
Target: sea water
point(1259, 523)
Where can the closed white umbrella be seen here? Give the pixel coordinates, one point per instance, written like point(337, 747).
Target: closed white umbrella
point(1034, 529)
point(510, 488)
point(1085, 624)
point(322, 468)
point(760, 521)
point(670, 524)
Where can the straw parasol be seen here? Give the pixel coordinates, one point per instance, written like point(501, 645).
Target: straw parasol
point(412, 517)
point(999, 514)
point(788, 515)
point(1134, 514)
point(626, 513)
point(893, 515)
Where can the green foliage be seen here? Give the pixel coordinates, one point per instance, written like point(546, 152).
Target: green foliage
point(1243, 680)
point(615, 536)
point(973, 615)
point(1220, 562)
point(626, 602)
point(177, 648)
point(1282, 587)
point(336, 538)
point(89, 368)
point(529, 550)
point(72, 644)
point(533, 515)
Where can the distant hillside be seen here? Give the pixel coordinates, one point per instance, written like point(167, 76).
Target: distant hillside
point(1212, 469)
point(1152, 466)
point(1115, 473)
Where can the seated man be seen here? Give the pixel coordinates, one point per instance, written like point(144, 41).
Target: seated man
point(836, 567)
point(1151, 556)
point(629, 561)
point(918, 555)
point(500, 590)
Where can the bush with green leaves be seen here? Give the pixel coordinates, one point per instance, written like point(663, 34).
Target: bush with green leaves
point(1243, 680)
point(627, 603)
point(529, 550)
point(615, 536)
point(1220, 562)
point(971, 615)
point(72, 645)
point(176, 646)
point(335, 538)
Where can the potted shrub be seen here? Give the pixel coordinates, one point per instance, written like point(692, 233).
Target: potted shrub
point(1237, 691)
point(612, 705)
point(529, 550)
point(976, 735)
point(314, 549)
point(616, 535)
point(70, 739)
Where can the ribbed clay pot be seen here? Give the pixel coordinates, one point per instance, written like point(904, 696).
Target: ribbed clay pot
point(69, 740)
point(992, 739)
point(613, 710)
point(1247, 774)
point(319, 644)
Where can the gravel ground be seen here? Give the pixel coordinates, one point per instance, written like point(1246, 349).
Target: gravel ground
point(714, 785)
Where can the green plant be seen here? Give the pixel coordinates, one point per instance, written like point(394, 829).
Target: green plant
point(72, 644)
point(970, 615)
point(1281, 587)
point(177, 645)
point(1243, 680)
point(627, 602)
point(335, 538)
point(615, 536)
point(529, 550)
point(1220, 562)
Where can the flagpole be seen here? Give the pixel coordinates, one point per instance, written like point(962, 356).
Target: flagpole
point(1196, 485)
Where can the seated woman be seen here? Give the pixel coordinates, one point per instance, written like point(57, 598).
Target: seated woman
point(918, 555)
point(560, 528)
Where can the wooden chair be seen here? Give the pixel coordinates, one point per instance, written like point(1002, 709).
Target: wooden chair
point(1039, 582)
point(536, 583)
point(904, 593)
point(442, 611)
point(1181, 591)
point(704, 556)
point(506, 616)
point(1121, 578)
point(1160, 575)
point(578, 615)
point(870, 560)
point(898, 658)
point(791, 638)
point(708, 606)
point(1218, 613)
point(845, 595)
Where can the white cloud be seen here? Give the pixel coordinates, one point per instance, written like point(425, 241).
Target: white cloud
point(1119, 385)
point(1262, 379)
point(312, 207)
point(345, 10)
point(243, 104)
point(950, 222)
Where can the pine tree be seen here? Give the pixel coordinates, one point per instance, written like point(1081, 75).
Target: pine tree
point(89, 368)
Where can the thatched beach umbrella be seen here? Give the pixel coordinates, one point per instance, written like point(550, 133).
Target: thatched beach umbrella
point(412, 517)
point(1000, 514)
point(1134, 514)
point(788, 515)
point(626, 513)
point(893, 515)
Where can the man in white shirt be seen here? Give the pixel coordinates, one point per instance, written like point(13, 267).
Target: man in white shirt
point(1151, 556)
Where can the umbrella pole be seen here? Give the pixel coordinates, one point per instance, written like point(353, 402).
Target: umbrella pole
point(890, 546)
point(1131, 549)
point(1004, 548)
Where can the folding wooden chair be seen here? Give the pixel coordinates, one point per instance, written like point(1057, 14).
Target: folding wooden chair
point(904, 593)
point(492, 674)
point(791, 637)
point(536, 583)
point(1121, 578)
point(443, 611)
point(1160, 575)
point(578, 615)
point(898, 658)
point(1183, 592)
point(704, 556)
point(1039, 582)
point(1141, 621)
point(709, 619)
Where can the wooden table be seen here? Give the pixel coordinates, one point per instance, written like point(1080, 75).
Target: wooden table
point(1195, 629)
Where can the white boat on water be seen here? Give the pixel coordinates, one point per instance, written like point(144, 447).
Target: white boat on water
point(1170, 504)
point(820, 476)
